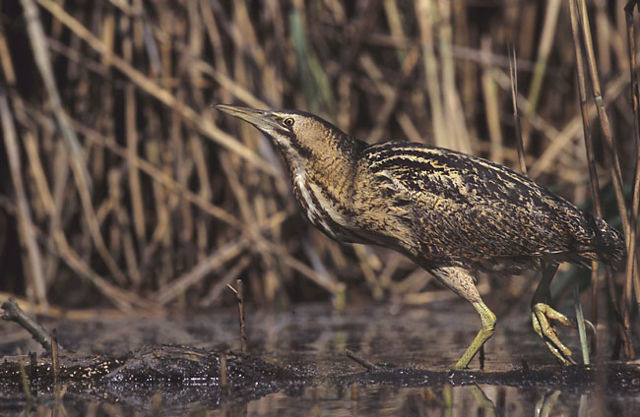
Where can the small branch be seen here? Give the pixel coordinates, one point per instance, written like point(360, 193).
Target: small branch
point(239, 293)
point(361, 361)
point(55, 362)
point(13, 312)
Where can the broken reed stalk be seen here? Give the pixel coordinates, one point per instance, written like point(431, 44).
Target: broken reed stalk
point(55, 360)
point(513, 77)
point(239, 293)
point(370, 366)
point(13, 312)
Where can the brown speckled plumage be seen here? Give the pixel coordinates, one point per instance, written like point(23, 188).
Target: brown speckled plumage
point(451, 213)
point(469, 212)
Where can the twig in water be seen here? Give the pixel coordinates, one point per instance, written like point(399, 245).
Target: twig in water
point(362, 361)
point(55, 363)
point(13, 312)
point(240, 299)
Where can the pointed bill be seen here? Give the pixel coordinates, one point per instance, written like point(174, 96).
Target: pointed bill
point(262, 119)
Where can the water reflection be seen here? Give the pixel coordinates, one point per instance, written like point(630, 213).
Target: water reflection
point(313, 339)
point(375, 401)
point(447, 401)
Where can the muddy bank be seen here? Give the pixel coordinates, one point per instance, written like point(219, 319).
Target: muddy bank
point(297, 359)
point(183, 375)
point(176, 377)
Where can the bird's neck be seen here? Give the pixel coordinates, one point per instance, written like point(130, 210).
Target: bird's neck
point(331, 166)
point(323, 185)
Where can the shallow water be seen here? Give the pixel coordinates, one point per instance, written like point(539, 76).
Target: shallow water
point(413, 347)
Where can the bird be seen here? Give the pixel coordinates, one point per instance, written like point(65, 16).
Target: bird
point(453, 214)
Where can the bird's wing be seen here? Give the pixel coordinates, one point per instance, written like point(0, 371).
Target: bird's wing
point(463, 207)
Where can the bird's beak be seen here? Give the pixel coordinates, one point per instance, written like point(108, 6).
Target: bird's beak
point(262, 119)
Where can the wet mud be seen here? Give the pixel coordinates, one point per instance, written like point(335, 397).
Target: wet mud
point(184, 375)
point(297, 361)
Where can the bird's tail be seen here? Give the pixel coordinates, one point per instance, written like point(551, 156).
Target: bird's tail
point(608, 246)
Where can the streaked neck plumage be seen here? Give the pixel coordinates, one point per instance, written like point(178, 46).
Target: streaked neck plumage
point(323, 168)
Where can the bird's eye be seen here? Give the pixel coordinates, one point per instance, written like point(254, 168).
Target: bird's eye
point(288, 122)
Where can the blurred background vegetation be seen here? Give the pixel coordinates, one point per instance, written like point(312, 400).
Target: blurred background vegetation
point(121, 187)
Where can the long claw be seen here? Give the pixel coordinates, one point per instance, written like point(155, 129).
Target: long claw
point(540, 315)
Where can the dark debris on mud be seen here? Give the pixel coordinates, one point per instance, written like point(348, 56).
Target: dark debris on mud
point(184, 375)
point(618, 378)
point(180, 374)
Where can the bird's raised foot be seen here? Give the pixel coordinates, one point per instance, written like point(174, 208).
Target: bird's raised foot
point(540, 315)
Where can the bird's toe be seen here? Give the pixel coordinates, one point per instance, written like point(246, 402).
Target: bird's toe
point(540, 316)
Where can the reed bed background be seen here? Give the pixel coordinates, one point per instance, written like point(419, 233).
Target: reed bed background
point(121, 187)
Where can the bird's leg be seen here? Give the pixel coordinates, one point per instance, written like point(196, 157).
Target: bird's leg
point(463, 283)
point(488, 320)
point(542, 312)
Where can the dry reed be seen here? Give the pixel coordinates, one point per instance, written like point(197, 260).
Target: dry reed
point(124, 186)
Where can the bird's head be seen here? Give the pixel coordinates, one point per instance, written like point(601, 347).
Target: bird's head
point(299, 136)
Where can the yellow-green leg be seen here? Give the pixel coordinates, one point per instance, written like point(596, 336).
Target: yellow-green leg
point(488, 320)
point(541, 313)
point(462, 282)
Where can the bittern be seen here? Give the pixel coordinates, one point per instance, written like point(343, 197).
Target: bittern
point(451, 213)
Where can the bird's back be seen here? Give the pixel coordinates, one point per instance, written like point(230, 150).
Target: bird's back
point(461, 210)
